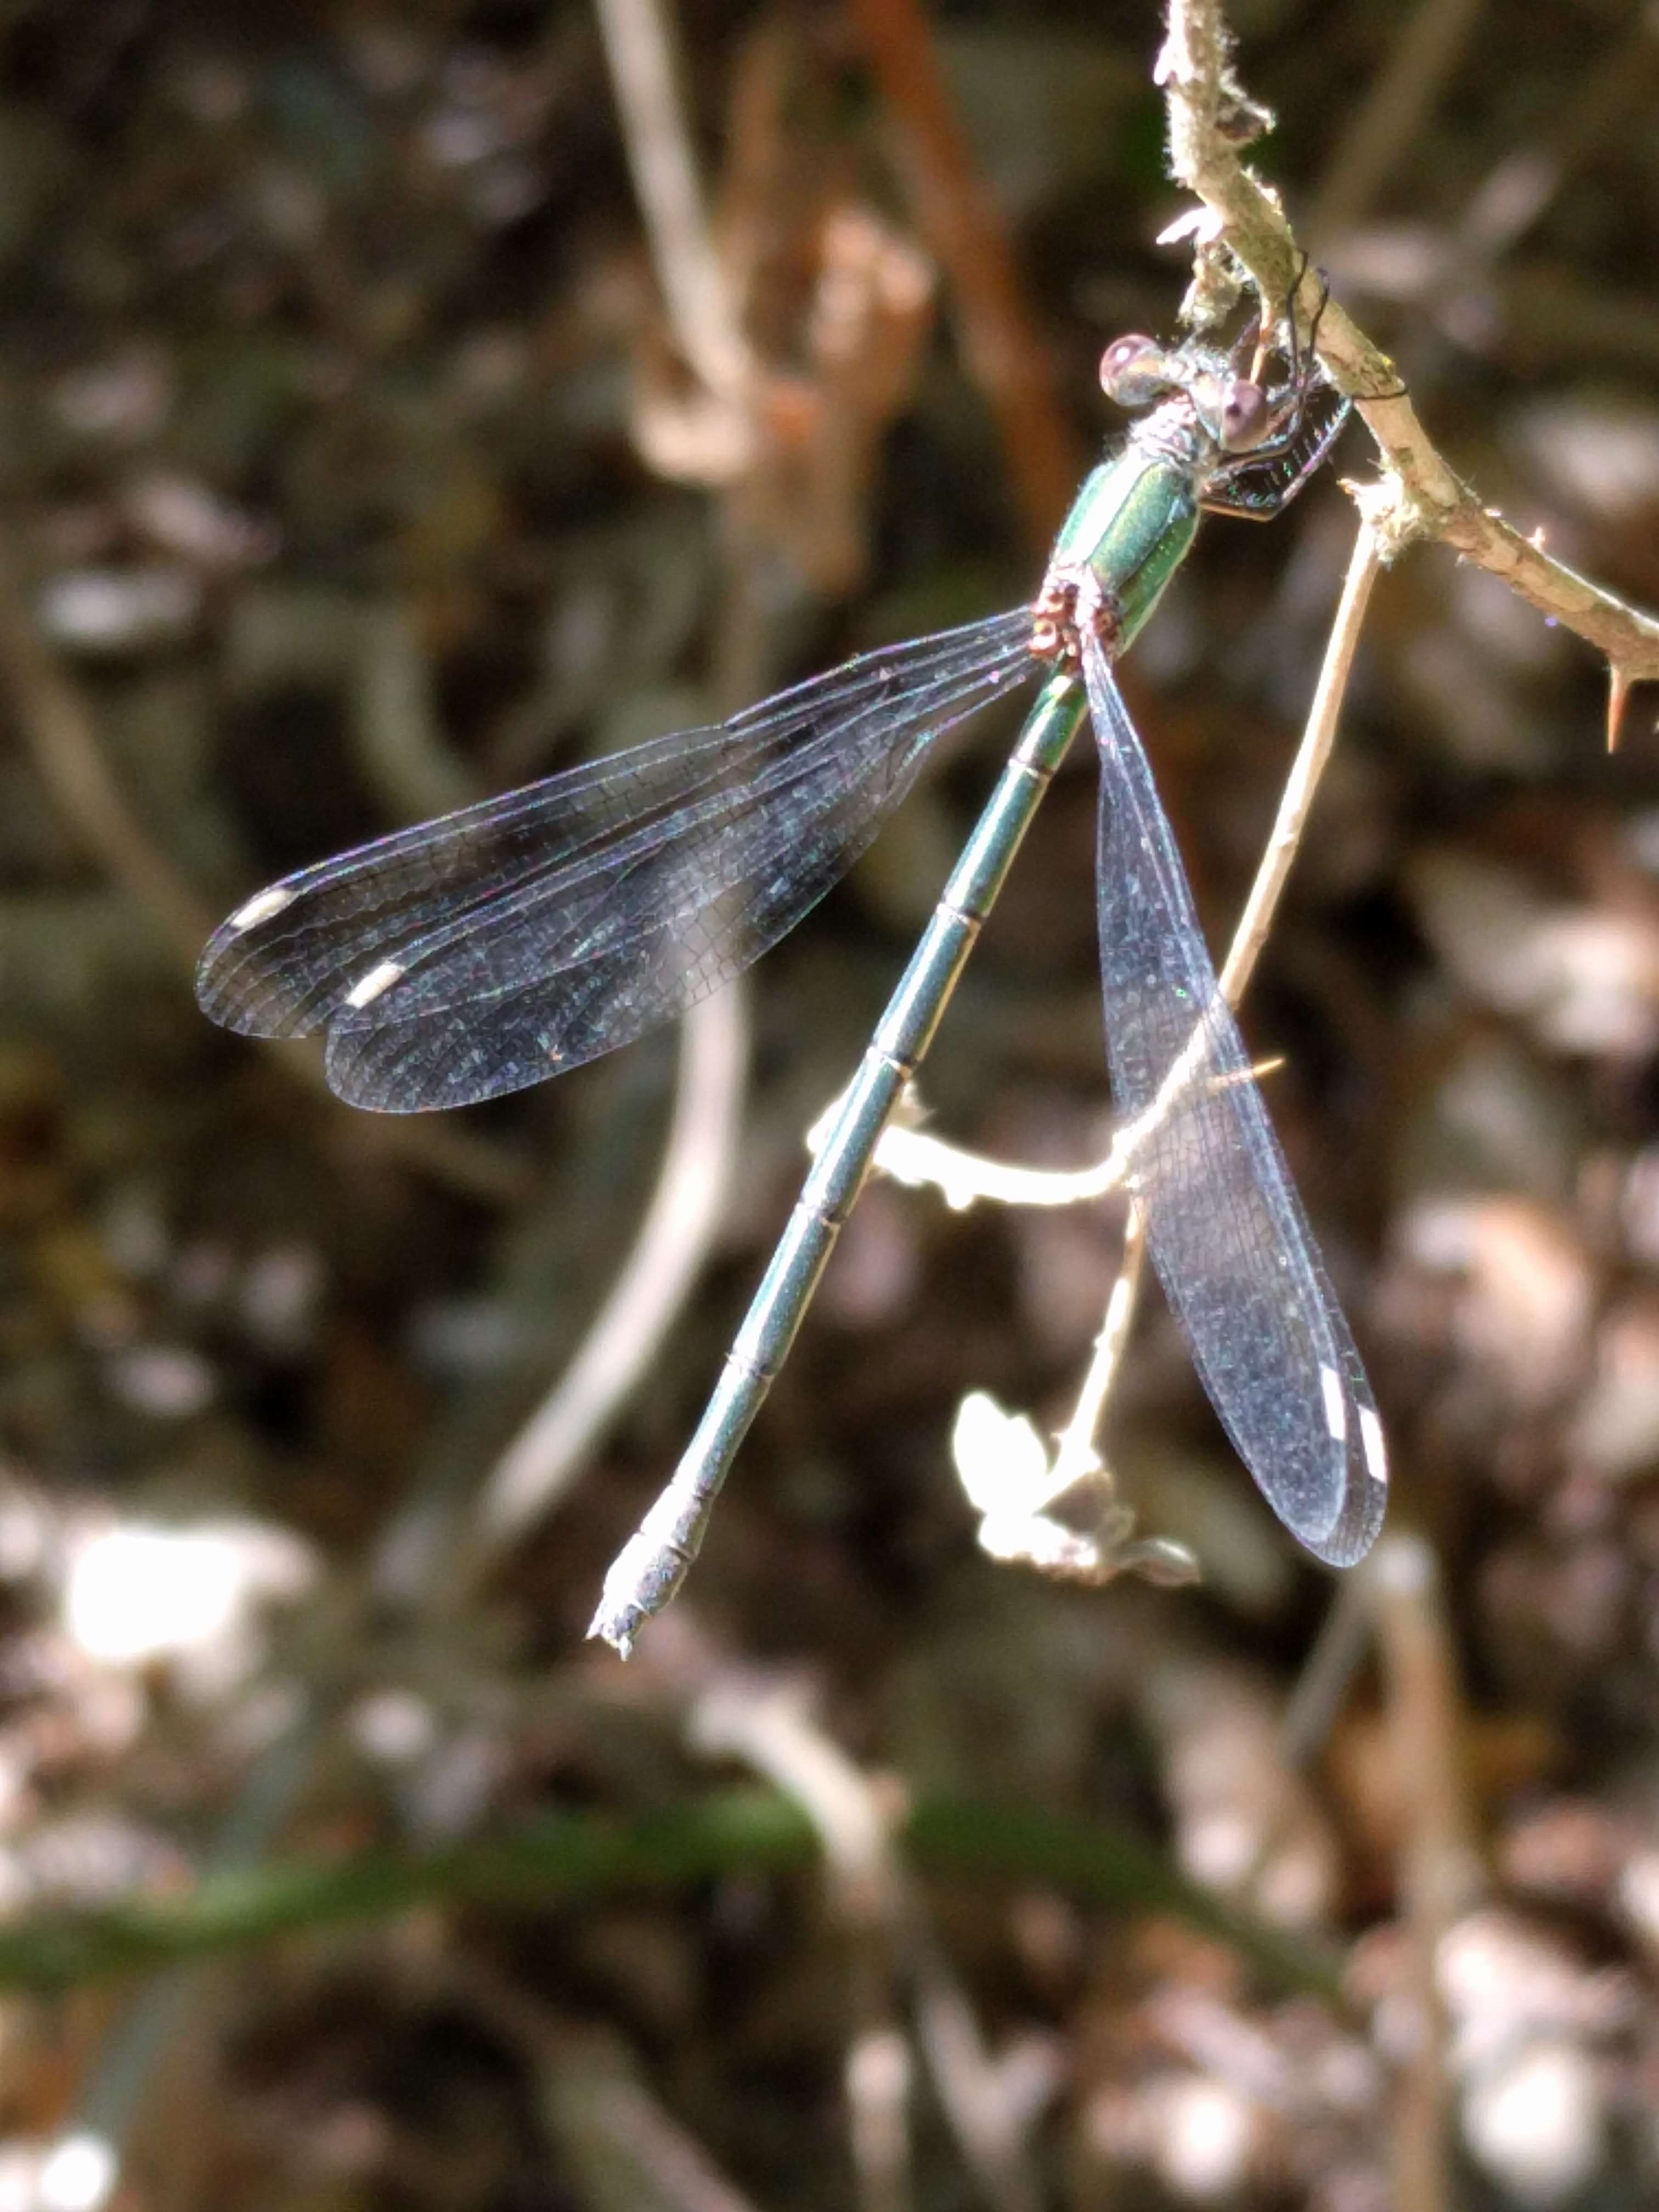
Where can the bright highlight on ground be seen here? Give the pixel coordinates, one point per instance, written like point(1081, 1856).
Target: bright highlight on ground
point(138, 1590)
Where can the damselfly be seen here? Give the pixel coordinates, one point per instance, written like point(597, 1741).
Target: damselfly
point(515, 939)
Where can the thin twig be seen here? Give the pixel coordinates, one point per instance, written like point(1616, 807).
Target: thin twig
point(1301, 788)
point(1513, 195)
point(971, 2088)
point(1422, 497)
point(700, 1153)
point(1328, 1672)
point(1425, 55)
point(62, 739)
point(1312, 757)
point(109, 2102)
point(770, 1729)
point(917, 1158)
point(773, 1731)
point(963, 224)
point(639, 48)
point(1076, 1456)
point(537, 1466)
point(911, 1156)
point(965, 1177)
point(611, 2132)
point(690, 1192)
point(1441, 1875)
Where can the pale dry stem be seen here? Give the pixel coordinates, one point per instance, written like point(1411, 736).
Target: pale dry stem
point(1422, 497)
point(913, 1156)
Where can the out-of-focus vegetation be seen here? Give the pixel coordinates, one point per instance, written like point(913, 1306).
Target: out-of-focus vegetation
point(351, 468)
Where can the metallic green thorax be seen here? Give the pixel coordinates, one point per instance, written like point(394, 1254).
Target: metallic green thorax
point(1131, 526)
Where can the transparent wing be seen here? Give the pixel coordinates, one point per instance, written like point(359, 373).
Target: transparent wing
point(1229, 1240)
point(498, 945)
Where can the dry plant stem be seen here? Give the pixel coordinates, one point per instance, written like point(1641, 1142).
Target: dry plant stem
point(970, 2088)
point(690, 1190)
point(627, 2152)
point(1301, 788)
point(964, 1176)
point(1424, 56)
point(623, 2151)
point(1422, 497)
point(538, 1465)
point(62, 740)
point(1338, 1650)
point(110, 2099)
point(1313, 755)
point(58, 730)
point(1077, 1458)
point(640, 50)
point(916, 1157)
point(1615, 89)
point(912, 1156)
point(770, 1731)
point(1441, 1875)
point(773, 1731)
point(962, 225)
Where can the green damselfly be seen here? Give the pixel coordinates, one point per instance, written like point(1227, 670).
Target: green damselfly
point(501, 945)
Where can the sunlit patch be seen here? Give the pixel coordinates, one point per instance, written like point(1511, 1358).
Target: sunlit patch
point(1336, 1403)
point(1537, 2118)
point(135, 1592)
point(392, 1725)
point(1203, 2133)
point(76, 2174)
point(1002, 1461)
point(1370, 1438)
point(368, 987)
point(261, 907)
point(169, 1382)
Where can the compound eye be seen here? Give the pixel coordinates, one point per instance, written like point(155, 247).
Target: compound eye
point(1244, 415)
point(1134, 370)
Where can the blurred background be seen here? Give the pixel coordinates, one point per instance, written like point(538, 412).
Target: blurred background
point(366, 450)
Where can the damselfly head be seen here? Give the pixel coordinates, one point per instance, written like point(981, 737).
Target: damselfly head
point(1136, 370)
point(1244, 416)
